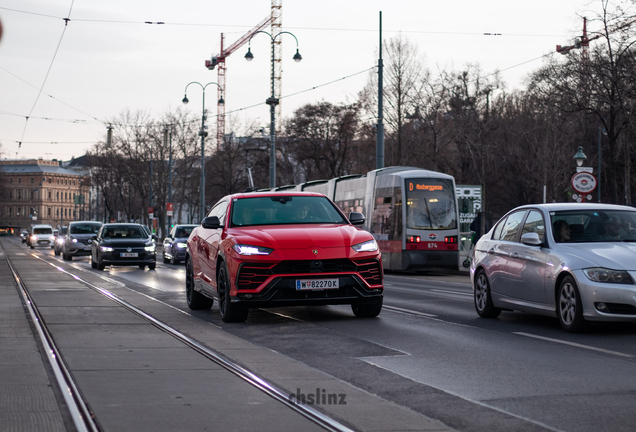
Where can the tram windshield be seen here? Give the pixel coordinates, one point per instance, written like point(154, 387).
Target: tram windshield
point(430, 204)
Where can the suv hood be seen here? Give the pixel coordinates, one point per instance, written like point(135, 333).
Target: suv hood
point(283, 237)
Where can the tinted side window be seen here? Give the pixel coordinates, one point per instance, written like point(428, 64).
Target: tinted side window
point(219, 211)
point(511, 227)
point(534, 223)
point(497, 234)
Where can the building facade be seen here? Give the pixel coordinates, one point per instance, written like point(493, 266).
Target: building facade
point(40, 192)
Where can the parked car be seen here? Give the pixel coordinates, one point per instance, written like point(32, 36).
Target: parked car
point(59, 241)
point(77, 241)
point(574, 261)
point(123, 244)
point(24, 235)
point(282, 249)
point(175, 243)
point(40, 235)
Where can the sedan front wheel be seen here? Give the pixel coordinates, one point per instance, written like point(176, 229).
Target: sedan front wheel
point(570, 308)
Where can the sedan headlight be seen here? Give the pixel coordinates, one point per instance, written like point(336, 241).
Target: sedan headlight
point(599, 274)
point(182, 245)
point(367, 246)
point(252, 250)
point(73, 239)
point(106, 248)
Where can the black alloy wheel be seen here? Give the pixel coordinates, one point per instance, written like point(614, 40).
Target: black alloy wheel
point(483, 298)
point(230, 312)
point(195, 300)
point(369, 310)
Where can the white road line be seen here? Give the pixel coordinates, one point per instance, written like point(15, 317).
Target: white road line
point(616, 353)
point(453, 292)
point(408, 311)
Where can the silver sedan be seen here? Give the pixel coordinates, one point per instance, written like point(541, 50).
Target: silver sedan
point(573, 261)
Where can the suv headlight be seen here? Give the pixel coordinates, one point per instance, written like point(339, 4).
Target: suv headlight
point(251, 250)
point(182, 245)
point(367, 246)
point(150, 247)
point(106, 248)
point(599, 274)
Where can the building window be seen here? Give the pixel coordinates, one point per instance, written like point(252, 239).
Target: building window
point(11, 180)
point(32, 179)
point(19, 194)
point(49, 212)
point(50, 194)
point(20, 180)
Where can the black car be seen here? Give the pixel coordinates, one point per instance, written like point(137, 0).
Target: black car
point(59, 240)
point(175, 243)
point(123, 244)
point(24, 235)
point(77, 241)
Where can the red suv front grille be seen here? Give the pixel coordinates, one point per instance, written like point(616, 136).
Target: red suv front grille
point(252, 275)
point(370, 271)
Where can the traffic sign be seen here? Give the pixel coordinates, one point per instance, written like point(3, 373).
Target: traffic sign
point(169, 209)
point(583, 182)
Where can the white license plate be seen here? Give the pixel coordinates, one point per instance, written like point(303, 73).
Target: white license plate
point(129, 255)
point(316, 284)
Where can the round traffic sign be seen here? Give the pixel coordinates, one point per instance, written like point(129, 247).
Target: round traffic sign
point(583, 182)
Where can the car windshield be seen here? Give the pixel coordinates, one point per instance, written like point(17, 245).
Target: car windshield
point(593, 226)
point(42, 230)
point(183, 231)
point(85, 228)
point(124, 231)
point(275, 210)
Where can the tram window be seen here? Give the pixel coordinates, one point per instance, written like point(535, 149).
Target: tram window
point(430, 204)
point(387, 211)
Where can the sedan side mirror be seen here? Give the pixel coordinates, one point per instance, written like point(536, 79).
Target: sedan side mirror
point(211, 222)
point(356, 218)
point(531, 239)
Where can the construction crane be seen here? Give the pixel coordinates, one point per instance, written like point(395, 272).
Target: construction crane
point(219, 60)
point(275, 19)
point(583, 42)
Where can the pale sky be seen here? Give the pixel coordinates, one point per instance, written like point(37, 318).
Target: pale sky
point(106, 60)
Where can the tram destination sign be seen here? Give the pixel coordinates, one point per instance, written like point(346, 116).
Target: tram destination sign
point(584, 182)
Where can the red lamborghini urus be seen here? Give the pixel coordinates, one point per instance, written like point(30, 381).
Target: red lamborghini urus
point(282, 249)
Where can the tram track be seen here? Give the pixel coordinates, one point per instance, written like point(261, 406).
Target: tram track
point(81, 414)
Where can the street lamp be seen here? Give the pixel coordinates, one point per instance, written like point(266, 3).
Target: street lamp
point(272, 101)
point(202, 134)
point(580, 157)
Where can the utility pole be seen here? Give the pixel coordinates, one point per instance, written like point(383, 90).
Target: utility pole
point(379, 145)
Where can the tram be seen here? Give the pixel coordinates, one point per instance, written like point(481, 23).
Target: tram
point(411, 212)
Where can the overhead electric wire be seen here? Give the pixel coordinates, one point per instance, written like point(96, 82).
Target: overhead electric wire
point(26, 121)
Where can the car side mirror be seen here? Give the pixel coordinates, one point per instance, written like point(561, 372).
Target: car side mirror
point(211, 222)
point(154, 237)
point(531, 239)
point(356, 218)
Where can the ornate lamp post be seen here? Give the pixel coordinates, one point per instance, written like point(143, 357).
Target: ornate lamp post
point(272, 101)
point(202, 133)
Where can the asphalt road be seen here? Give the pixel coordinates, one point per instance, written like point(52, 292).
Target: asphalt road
point(429, 351)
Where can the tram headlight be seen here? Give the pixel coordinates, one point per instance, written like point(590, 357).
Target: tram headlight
point(367, 246)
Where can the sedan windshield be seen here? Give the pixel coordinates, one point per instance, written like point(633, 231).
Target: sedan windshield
point(284, 210)
point(593, 226)
point(124, 231)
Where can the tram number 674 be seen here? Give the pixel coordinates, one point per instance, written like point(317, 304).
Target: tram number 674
point(432, 245)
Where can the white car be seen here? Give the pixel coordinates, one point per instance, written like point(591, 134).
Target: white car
point(573, 261)
point(40, 235)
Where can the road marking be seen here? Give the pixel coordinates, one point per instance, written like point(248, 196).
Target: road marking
point(20, 254)
point(453, 292)
point(408, 311)
point(574, 344)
